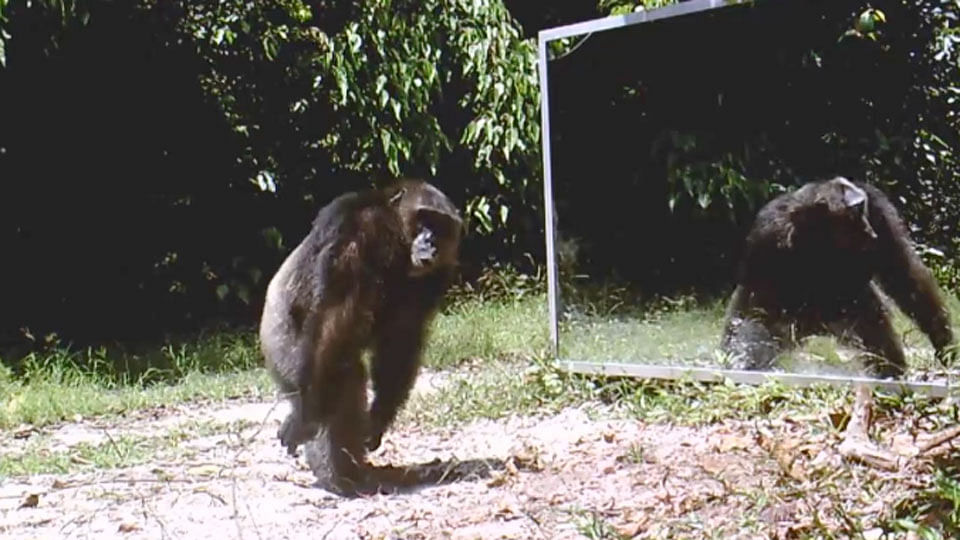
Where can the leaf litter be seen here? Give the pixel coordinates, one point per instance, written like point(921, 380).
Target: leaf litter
point(586, 472)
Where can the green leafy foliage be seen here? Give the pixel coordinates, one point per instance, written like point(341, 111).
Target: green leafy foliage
point(619, 7)
point(711, 183)
point(370, 87)
point(222, 126)
point(880, 105)
point(933, 513)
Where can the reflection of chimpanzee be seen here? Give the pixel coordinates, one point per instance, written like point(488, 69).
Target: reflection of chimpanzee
point(368, 275)
point(808, 267)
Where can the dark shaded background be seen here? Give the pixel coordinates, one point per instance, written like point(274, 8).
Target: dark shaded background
point(126, 211)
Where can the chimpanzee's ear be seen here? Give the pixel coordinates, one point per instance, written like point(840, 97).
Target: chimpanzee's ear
point(395, 200)
point(854, 196)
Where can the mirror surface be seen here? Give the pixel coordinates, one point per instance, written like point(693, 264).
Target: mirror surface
point(668, 137)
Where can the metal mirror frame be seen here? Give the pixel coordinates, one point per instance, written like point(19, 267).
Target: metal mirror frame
point(648, 370)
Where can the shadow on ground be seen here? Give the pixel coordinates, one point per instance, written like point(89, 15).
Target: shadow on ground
point(434, 473)
point(391, 479)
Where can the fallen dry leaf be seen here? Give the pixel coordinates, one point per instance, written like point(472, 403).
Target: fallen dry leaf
point(839, 418)
point(690, 503)
point(204, 470)
point(786, 454)
point(634, 522)
point(803, 419)
point(506, 510)
point(633, 529)
point(497, 479)
point(30, 501)
point(128, 526)
point(532, 465)
point(161, 473)
point(780, 513)
point(734, 442)
point(713, 464)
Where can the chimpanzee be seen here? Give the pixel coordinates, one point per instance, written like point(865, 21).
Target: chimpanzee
point(369, 275)
point(812, 264)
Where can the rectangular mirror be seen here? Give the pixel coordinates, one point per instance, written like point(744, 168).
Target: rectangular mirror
point(666, 131)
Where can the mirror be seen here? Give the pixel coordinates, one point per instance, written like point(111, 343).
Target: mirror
point(666, 138)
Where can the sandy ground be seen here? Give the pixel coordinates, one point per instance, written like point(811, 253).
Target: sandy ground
point(580, 473)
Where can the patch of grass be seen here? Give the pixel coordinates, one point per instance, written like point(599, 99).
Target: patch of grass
point(499, 388)
point(636, 454)
point(114, 451)
point(687, 336)
point(58, 384)
point(694, 403)
point(592, 526)
point(194, 429)
point(119, 452)
point(496, 389)
point(47, 397)
point(535, 386)
point(934, 511)
point(494, 329)
point(117, 364)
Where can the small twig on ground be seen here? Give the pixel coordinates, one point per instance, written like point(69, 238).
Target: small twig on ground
point(233, 500)
point(856, 443)
point(131, 481)
point(451, 465)
point(84, 517)
point(253, 521)
point(937, 439)
point(149, 513)
point(213, 496)
point(113, 443)
point(330, 530)
point(529, 515)
point(244, 445)
point(263, 423)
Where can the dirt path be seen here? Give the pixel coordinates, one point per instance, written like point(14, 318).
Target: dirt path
point(581, 473)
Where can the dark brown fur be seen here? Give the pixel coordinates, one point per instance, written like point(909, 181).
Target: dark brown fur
point(809, 267)
point(369, 275)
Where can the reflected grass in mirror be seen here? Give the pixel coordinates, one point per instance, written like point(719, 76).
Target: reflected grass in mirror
point(600, 326)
